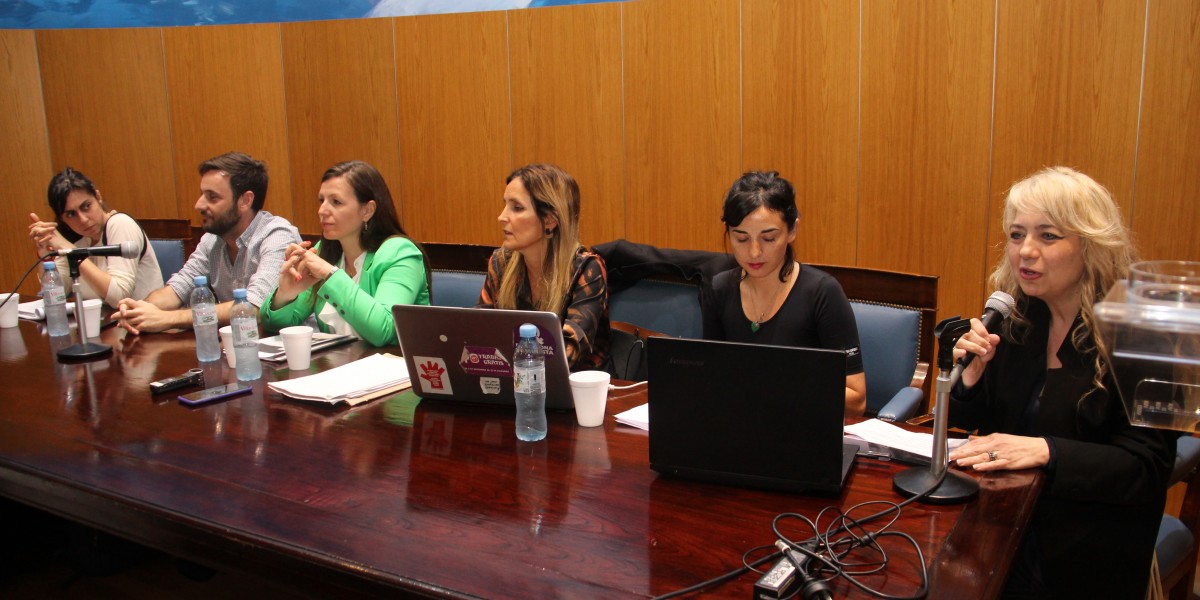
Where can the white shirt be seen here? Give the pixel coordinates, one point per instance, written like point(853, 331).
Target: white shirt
point(329, 314)
point(130, 277)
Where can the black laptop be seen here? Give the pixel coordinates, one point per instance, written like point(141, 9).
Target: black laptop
point(748, 415)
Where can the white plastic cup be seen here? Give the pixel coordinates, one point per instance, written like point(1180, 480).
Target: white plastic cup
point(8, 312)
point(91, 316)
point(226, 334)
point(297, 344)
point(590, 391)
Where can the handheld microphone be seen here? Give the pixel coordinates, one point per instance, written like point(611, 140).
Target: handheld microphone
point(126, 249)
point(999, 305)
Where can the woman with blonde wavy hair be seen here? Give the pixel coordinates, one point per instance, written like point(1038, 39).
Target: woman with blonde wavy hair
point(542, 266)
point(1041, 396)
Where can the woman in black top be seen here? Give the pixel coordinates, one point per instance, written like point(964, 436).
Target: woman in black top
point(770, 298)
point(1041, 396)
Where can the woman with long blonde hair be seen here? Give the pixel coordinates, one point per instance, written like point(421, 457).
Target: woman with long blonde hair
point(1042, 397)
point(542, 266)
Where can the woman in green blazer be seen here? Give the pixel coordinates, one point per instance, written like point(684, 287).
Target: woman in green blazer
point(364, 265)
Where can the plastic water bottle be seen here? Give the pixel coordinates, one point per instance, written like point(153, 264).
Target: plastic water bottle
point(54, 297)
point(204, 320)
point(529, 385)
point(244, 323)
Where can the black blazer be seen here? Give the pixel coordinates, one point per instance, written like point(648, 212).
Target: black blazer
point(1098, 517)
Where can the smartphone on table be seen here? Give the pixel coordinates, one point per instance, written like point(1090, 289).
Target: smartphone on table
point(213, 394)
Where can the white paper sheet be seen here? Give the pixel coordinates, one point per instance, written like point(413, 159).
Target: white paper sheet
point(886, 434)
point(35, 310)
point(638, 416)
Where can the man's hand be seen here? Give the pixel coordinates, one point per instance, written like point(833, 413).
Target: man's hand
point(138, 316)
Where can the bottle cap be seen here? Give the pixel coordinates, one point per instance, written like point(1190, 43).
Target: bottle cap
point(49, 265)
point(529, 330)
point(200, 280)
point(239, 294)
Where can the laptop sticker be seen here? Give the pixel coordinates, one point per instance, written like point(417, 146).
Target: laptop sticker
point(489, 385)
point(484, 361)
point(432, 375)
point(544, 338)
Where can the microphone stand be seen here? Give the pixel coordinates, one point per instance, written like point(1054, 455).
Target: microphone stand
point(84, 350)
point(955, 487)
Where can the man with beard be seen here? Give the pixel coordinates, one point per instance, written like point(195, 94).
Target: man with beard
point(242, 246)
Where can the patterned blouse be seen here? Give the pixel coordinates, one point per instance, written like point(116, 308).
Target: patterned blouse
point(585, 316)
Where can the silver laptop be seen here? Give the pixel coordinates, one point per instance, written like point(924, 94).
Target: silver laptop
point(465, 354)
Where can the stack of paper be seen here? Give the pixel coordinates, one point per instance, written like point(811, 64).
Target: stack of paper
point(354, 383)
point(36, 310)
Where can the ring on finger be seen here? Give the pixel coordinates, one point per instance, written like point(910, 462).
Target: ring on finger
point(992, 455)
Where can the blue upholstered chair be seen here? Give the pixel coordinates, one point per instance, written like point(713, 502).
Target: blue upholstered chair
point(895, 313)
point(1177, 540)
point(889, 337)
point(172, 241)
point(457, 272)
point(665, 305)
point(170, 254)
point(456, 288)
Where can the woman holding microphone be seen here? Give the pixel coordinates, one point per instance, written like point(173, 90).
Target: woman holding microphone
point(365, 264)
point(1042, 396)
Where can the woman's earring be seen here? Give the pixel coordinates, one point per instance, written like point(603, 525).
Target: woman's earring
point(549, 232)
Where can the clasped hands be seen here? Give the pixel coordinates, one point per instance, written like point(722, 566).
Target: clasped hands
point(302, 268)
point(46, 237)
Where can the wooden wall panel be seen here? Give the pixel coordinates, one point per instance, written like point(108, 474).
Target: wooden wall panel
point(800, 114)
point(225, 85)
point(682, 125)
point(566, 105)
point(455, 132)
point(926, 107)
point(25, 167)
point(340, 85)
point(1166, 203)
point(1067, 84)
point(106, 111)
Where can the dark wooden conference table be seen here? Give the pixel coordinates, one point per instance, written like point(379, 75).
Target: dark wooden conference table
point(396, 497)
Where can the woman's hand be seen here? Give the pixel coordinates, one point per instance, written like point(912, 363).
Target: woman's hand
point(1000, 451)
point(979, 342)
point(302, 268)
point(46, 237)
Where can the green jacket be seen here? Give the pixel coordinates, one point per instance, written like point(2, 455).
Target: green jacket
point(393, 274)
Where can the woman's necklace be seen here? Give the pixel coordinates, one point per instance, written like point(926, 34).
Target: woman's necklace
point(756, 324)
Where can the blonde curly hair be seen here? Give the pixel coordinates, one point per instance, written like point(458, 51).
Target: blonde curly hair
point(1078, 205)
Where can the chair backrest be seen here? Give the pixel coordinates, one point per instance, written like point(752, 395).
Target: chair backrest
point(171, 229)
point(170, 254)
point(455, 288)
point(457, 272)
point(889, 338)
point(1178, 543)
point(667, 305)
point(896, 314)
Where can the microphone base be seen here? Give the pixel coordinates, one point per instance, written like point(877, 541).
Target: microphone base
point(955, 488)
point(84, 352)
